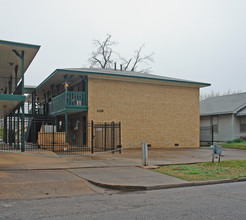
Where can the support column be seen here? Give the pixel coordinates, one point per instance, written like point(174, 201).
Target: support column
point(22, 107)
point(14, 133)
point(44, 109)
point(33, 102)
point(86, 88)
point(66, 126)
point(22, 128)
point(10, 85)
point(18, 129)
point(16, 70)
point(21, 56)
point(22, 72)
point(52, 95)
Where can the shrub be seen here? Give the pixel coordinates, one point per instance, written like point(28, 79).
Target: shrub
point(238, 140)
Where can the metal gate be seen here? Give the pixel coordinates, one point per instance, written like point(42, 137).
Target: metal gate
point(105, 136)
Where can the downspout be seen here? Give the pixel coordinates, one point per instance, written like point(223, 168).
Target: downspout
point(21, 56)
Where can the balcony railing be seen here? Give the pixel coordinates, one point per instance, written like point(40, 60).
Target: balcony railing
point(68, 100)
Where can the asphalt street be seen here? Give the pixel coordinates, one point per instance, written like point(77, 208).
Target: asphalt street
point(222, 201)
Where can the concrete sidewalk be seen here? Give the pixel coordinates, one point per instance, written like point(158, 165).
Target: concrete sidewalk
point(127, 178)
point(44, 174)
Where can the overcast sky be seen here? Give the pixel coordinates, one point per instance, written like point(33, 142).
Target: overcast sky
point(200, 40)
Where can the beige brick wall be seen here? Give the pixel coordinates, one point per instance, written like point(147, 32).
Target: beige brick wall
point(160, 115)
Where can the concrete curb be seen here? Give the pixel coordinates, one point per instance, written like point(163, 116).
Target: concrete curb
point(164, 186)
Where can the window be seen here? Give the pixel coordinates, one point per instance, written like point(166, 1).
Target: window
point(243, 124)
point(215, 123)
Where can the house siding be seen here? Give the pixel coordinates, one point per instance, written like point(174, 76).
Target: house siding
point(237, 132)
point(157, 114)
point(228, 127)
point(225, 130)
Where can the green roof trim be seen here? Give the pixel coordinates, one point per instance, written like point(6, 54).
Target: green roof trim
point(9, 97)
point(11, 43)
point(28, 88)
point(119, 75)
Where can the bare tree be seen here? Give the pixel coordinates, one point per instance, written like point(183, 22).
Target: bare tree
point(213, 94)
point(102, 57)
point(138, 59)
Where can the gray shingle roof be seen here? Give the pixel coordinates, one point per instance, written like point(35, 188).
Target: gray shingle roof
point(223, 104)
point(242, 112)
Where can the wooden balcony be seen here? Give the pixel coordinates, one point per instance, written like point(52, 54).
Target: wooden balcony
point(68, 101)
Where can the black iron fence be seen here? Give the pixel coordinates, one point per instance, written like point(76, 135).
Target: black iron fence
point(48, 133)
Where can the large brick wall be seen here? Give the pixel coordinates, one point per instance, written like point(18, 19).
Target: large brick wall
point(160, 115)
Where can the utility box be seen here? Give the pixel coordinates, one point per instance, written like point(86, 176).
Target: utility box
point(216, 150)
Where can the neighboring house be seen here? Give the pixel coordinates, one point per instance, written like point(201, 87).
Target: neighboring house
point(227, 114)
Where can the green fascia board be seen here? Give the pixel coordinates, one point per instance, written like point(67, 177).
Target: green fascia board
point(58, 112)
point(11, 43)
point(28, 115)
point(29, 88)
point(77, 108)
point(64, 110)
point(118, 75)
point(9, 97)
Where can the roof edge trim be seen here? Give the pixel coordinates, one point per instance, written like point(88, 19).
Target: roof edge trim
point(239, 108)
point(216, 113)
point(120, 75)
point(11, 43)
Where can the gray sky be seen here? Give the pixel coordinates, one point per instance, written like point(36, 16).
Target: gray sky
point(200, 40)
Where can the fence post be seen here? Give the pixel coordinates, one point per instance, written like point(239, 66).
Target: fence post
point(53, 142)
point(5, 130)
point(212, 130)
point(120, 136)
point(22, 127)
point(92, 150)
point(112, 132)
point(18, 129)
point(144, 154)
point(14, 133)
point(105, 136)
point(10, 131)
point(34, 130)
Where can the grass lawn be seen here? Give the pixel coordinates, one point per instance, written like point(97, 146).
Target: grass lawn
point(241, 145)
point(206, 171)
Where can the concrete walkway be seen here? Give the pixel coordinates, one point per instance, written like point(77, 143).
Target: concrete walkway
point(126, 178)
point(44, 174)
